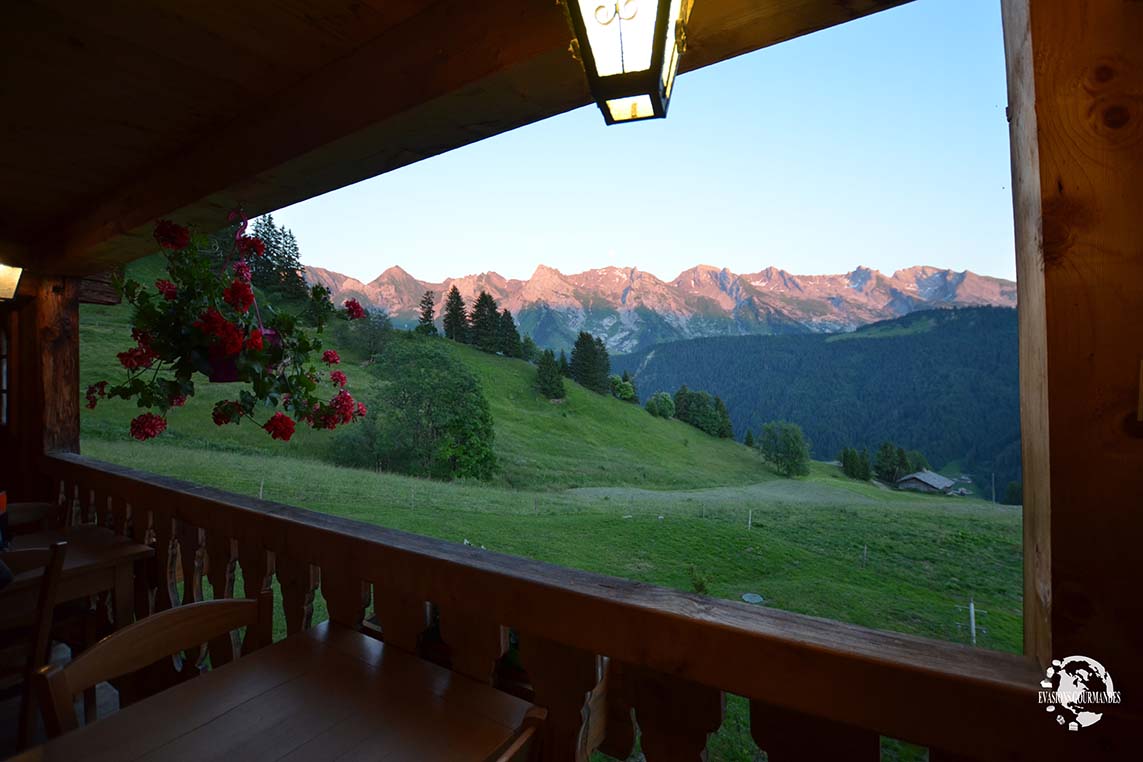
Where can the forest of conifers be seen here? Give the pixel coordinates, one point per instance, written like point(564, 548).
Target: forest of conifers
point(944, 382)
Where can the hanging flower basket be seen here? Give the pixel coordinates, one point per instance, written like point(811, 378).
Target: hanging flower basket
point(224, 370)
point(204, 320)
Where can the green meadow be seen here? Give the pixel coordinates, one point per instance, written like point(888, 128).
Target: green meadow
point(599, 484)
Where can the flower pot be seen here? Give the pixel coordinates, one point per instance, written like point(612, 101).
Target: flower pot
point(224, 370)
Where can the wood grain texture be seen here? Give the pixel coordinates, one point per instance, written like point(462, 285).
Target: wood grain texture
point(788, 736)
point(562, 678)
point(169, 131)
point(675, 716)
point(1076, 82)
point(133, 648)
point(326, 693)
point(929, 692)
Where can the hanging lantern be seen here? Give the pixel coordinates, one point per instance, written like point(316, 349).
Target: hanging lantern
point(630, 51)
point(9, 281)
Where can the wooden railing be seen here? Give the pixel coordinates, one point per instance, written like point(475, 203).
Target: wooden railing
point(594, 650)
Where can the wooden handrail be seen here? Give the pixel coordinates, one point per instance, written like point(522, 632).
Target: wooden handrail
point(943, 695)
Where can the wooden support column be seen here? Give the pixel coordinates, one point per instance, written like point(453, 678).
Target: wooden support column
point(1075, 81)
point(44, 381)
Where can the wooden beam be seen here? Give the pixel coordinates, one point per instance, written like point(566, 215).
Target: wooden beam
point(447, 76)
point(1076, 104)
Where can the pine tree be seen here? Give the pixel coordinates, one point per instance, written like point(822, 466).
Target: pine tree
point(425, 323)
point(749, 440)
point(565, 366)
point(528, 349)
point(885, 463)
point(508, 338)
point(902, 463)
point(602, 379)
point(455, 318)
point(725, 429)
point(590, 365)
point(485, 322)
point(864, 472)
point(683, 404)
point(548, 378)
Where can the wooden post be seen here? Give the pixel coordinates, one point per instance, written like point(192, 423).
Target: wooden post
point(43, 325)
point(1075, 81)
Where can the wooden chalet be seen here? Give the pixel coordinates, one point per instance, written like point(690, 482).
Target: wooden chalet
point(118, 113)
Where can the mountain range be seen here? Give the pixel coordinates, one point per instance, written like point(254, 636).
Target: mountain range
point(632, 309)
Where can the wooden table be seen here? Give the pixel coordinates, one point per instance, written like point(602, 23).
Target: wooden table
point(97, 560)
point(326, 693)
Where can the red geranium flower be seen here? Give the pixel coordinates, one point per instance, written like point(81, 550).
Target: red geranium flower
point(254, 340)
point(344, 405)
point(338, 378)
point(280, 426)
point(331, 357)
point(94, 392)
point(242, 271)
point(361, 410)
point(171, 236)
point(178, 400)
point(148, 426)
point(227, 336)
point(239, 295)
point(169, 290)
point(136, 358)
point(249, 244)
point(226, 411)
point(354, 309)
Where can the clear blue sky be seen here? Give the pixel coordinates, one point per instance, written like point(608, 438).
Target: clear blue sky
point(881, 142)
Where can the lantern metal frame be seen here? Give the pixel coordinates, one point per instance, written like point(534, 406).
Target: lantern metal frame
point(632, 84)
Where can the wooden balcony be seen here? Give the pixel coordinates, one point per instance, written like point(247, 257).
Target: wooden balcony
point(124, 114)
point(592, 648)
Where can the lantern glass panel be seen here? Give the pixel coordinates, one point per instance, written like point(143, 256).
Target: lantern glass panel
point(626, 109)
point(621, 34)
point(671, 48)
point(9, 279)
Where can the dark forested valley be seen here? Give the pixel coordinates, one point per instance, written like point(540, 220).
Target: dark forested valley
point(944, 382)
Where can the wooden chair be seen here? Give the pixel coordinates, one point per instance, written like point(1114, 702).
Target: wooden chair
point(134, 647)
point(25, 635)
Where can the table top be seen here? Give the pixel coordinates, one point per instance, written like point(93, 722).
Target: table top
point(88, 548)
point(327, 693)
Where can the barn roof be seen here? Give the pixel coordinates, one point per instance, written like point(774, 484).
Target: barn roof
point(931, 478)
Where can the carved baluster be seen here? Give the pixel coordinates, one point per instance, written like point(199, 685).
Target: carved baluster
point(143, 533)
point(221, 562)
point(190, 542)
point(675, 716)
point(788, 736)
point(119, 515)
point(562, 678)
point(403, 618)
point(257, 569)
point(101, 505)
point(475, 643)
point(346, 596)
point(613, 732)
point(166, 562)
point(190, 539)
point(71, 512)
point(298, 581)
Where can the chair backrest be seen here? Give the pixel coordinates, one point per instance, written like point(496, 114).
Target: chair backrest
point(134, 647)
point(37, 623)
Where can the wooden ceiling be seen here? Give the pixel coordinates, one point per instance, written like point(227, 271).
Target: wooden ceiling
point(120, 112)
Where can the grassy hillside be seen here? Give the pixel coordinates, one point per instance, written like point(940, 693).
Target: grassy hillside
point(598, 484)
